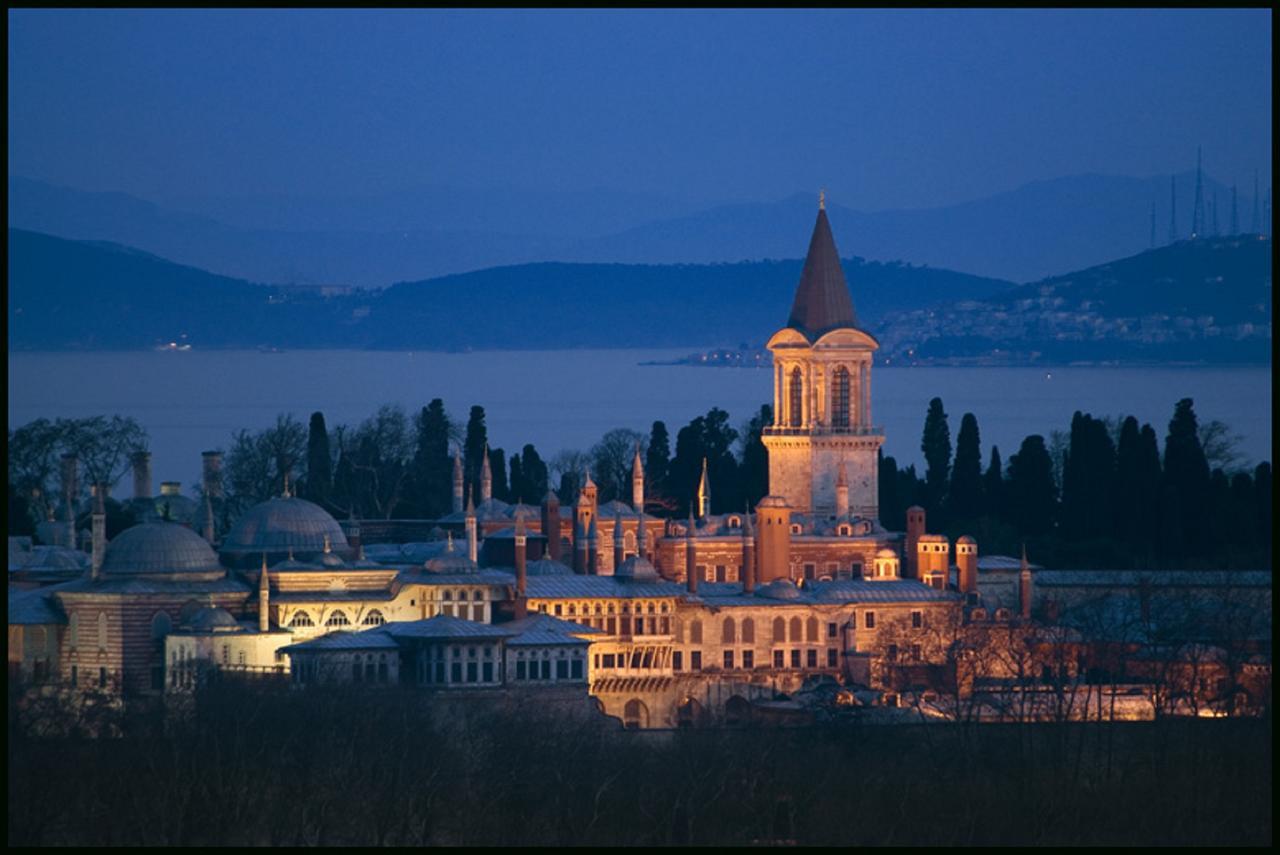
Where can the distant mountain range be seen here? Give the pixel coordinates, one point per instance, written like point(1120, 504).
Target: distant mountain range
point(77, 295)
point(1204, 300)
point(1024, 234)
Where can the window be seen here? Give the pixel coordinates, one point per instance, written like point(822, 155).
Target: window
point(795, 629)
point(728, 660)
point(695, 632)
point(779, 630)
point(102, 676)
point(562, 669)
point(869, 620)
point(917, 620)
point(727, 635)
point(748, 659)
point(695, 660)
point(448, 595)
point(575, 669)
point(811, 629)
point(796, 404)
point(557, 610)
point(626, 624)
point(520, 670)
point(855, 570)
point(301, 619)
point(777, 659)
point(677, 661)
point(455, 672)
point(915, 652)
point(701, 572)
point(748, 630)
point(613, 626)
point(472, 672)
point(840, 397)
point(891, 652)
point(795, 528)
point(486, 672)
point(795, 658)
point(546, 669)
point(102, 632)
point(721, 574)
point(831, 630)
point(374, 618)
point(831, 657)
point(810, 571)
point(337, 618)
point(666, 625)
point(160, 626)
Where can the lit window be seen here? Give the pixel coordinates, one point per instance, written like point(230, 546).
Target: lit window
point(374, 618)
point(301, 619)
point(695, 660)
point(917, 620)
point(869, 620)
point(338, 618)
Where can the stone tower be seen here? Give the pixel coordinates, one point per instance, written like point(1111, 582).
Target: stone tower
point(822, 392)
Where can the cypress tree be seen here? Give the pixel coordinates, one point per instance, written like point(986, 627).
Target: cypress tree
point(657, 460)
point(964, 499)
point(319, 482)
point(1128, 496)
point(993, 488)
point(498, 466)
point(892, 510)
point(1220, 512)
point(473, 450)
point(519, 486)
point(1032, 493)
point(432, 466)
point(1088, 480)
point(755, 457)
point(1243, 534)
point(1186, 471)
point(936, 445)
point(535, 474)
point(1262, 502)
point(1149, 475)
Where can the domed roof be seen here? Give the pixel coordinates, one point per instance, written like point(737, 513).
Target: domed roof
point(547, 567)
point(779, 589)
point(887, 553)
point(772, 502)
point(637, 567)
point(450, 561)
point(965, 538)
point(212, 619)
point(280, 524)
point(331, 559)
point(159, 549)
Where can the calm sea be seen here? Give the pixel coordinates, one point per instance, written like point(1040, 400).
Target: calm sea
point(193, 401)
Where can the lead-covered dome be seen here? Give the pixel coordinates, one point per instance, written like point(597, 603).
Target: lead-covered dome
point(779, 589)
point(283, 525)
point(159, 549)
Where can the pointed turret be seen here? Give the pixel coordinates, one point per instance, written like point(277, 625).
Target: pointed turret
point(704, 493)
point(473, 548)
point(691, 559)
point(822, 300)
point(264, 597)
point(486, 477)
point(637, 481)
point(458, 481)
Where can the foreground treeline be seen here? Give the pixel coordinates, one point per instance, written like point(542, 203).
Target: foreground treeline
point(1106, 493)
point(281, 768)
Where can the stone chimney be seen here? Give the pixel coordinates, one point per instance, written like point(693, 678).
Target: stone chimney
point(967, 565)
point(551, 523)
point(521, 562)
point(637, 481)
point(1024, 586)
point(486, 477)
point(748, 554)
point(211, 473)
point(141, 463)
point(264, 597)
point(473, 547)
point(691, 559)
point(170, 488)
point(619, 542)
point(352, 532)
point(915, 528)
point(99, 530)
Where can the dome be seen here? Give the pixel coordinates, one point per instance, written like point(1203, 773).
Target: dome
point(159, 549)
point(887, 553)
point(772, 502)
point(779, 589)
point(450, 561)
point(636, 567)
point(212, 619)
point(281, 524)
point(547, 567)
point(331, 559)
point(964, 538)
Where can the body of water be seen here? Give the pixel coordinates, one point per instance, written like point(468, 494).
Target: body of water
point(193, 401)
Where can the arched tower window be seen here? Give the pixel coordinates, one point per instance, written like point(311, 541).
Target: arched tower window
point(840, 398)
point(728, 633)
point(795, 408)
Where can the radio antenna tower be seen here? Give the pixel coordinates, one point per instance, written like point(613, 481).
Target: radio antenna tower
point(1197, 208)
point(1235, 212)
point(1173, 209)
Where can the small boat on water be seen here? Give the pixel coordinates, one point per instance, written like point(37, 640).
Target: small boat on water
point(173, 347)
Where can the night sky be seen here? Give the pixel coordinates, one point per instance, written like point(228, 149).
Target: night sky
point(899, 109)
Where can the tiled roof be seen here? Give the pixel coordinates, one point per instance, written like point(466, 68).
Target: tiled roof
point(224, 585)
point(599, 587)
point(822, 300)
point(332, 596)
point(35, 607)
point(370, 639)
point(483, 576)
point(835, 592)
point(541, 630)
point(445, 626)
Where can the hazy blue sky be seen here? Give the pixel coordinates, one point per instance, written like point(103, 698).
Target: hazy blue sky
point(886, 109)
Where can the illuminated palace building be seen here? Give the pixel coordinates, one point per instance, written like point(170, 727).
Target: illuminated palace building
point(664, 622)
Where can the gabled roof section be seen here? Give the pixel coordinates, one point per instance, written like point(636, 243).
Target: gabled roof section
point(822, 300)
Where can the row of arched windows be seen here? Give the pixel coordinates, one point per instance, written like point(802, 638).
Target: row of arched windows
point(799, 630)
point(841, 386)
point(73, 629)
point(337, 618)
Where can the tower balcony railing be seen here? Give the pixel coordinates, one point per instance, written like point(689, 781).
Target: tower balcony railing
point(824, 430)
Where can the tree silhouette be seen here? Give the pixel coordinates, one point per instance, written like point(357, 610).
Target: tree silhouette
point(936, 445)
point(1032, 493)
point(964, 499)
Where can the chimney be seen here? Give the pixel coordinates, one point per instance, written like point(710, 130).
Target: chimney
point(748, 554)
point(967, 565)
point(486, 477)
point(141, 463)
point(619, 542)
point(69, 491)
point(773, 518)
point(593, 548)
point(579, 547)
point(264, 597)
point(208, 519)
point(521, 561)
point(691, 559)
point(1024, 586)
point(211, 473)
point(458, 482)
point(551, 523)
point(915, 528)
point(842, 492)
point(352, 531)
point(472, 545)
point(637, 481)
point(641, 539)
point(99, 530)
point(170, 488)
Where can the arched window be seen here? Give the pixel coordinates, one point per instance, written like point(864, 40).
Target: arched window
point(840, 398)
point(102, 630)
point(337, 618)
point(73, 629)
point(811, 629)
point(374, 618)
point(161, 625)
point(796, 404)
point(635, 715)
point(728, 633)
point(695, 632)
point(748, 630)
point(301, 619)
point(779, 630)
point(795, 629)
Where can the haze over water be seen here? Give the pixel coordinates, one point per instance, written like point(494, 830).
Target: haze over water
point(191, 402)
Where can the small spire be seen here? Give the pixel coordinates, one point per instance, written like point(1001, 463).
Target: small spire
point(822, 199)
point(285, 494)
point(520, 522)
point(264, 562)
point(328, 547)
point(448, 547)
point(471, 506)
point(746, 521)
point(1026, 568)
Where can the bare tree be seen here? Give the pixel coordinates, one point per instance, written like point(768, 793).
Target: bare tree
point(611, 459)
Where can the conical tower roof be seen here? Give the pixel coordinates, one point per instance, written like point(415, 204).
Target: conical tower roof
point(822, 300)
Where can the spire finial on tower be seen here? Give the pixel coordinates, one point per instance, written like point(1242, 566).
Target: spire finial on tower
point(822, 199)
